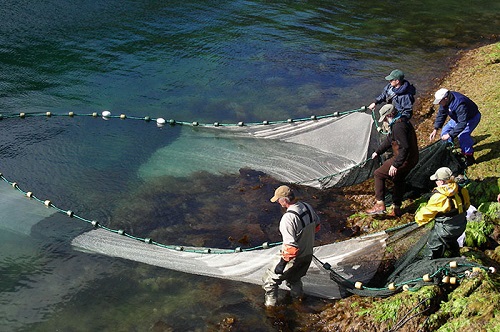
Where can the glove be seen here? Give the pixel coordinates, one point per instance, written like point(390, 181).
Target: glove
point(280, 267)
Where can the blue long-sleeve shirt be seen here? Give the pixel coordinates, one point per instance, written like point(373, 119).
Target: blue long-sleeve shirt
point(459, 108)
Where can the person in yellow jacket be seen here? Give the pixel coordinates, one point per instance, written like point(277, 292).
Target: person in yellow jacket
point(448, 208)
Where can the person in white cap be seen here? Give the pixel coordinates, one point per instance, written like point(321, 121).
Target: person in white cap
point(398, 93)
point(448, 208)
point(298, 227)
point(464, 118)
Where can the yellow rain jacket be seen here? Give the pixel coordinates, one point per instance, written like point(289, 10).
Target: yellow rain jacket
point(446, 202)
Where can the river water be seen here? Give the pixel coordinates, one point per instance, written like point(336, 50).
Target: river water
point(224, 61)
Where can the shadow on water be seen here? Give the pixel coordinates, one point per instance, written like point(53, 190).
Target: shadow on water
point(79, 159)
point(74, 289)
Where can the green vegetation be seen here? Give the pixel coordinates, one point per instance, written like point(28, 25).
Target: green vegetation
point(490, 211)
point(477, 233)
point(493, 56)
point(394, 308)
point(484, 190)
point(472, 306)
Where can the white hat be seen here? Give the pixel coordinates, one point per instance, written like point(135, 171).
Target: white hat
point(439, 95)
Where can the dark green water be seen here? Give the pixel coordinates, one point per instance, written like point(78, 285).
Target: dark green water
point(224, 61)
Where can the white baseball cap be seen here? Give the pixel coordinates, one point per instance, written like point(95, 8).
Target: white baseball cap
point(439, 95)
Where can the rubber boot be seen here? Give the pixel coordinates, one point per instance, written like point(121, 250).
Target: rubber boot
point(454, 249)
point(271, 298)
point(469, 159)
point(437, 253)
point(296, 290)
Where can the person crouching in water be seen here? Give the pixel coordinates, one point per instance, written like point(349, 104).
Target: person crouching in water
point(448, 207)
point(298, 226)
point(403, 140)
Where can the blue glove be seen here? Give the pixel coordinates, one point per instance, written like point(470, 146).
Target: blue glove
point(280, 267)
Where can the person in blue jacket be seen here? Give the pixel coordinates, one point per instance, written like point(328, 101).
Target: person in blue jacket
point(398, 93)
point(464, 118)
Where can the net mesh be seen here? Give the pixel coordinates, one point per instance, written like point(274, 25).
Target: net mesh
point(431, 158)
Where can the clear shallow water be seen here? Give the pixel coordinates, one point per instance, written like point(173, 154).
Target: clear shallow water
point(228, 61)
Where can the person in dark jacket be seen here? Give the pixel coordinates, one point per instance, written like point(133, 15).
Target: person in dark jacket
point(398, 93)
point(403, 140)
point(464, 118)
point(448, 208)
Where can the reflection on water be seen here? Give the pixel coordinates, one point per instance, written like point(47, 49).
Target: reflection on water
point(186, 60)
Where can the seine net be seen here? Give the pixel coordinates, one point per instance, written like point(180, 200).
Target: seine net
point(323, 152)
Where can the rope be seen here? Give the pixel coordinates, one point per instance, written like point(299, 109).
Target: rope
point(161, 122)
point(353, 287)
point(377, 126)
point(361, 164)
point(173, 122)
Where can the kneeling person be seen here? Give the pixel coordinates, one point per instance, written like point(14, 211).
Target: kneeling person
point(448, 207)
